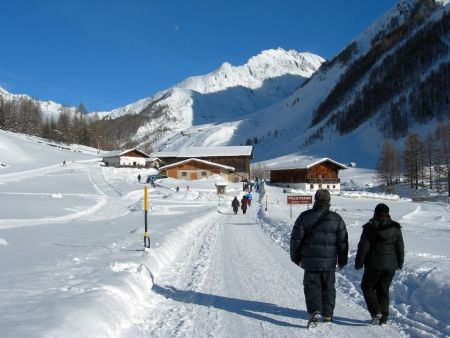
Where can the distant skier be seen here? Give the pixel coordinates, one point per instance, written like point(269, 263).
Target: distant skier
point(139, 178)
point(177, 189)
point(235, 204)
point(381, 251)
point(244, 204)
point(319, 242)
point(187, 189)
point(64, 163)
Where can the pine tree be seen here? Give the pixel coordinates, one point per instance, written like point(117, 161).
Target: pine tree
point(413, 157)
point(443, 150)
point(389, 164)
point(2, 114)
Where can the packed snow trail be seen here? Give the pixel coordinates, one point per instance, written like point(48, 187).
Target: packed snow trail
point(235, 282)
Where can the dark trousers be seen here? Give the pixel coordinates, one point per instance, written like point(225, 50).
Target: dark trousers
point(375, 287)
point(320, 294)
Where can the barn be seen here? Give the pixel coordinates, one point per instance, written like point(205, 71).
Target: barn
point(194, 169)
point(237, 157)
point(308, 174)
point(126, 158)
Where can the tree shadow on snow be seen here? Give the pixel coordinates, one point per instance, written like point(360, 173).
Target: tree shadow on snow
point(248, 308)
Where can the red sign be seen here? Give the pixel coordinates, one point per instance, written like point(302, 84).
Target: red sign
point(299, 199)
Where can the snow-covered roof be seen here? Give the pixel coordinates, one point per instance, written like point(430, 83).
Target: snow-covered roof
point(153, 159)
point(117, 153)
point(198, 160)
point(305, 163)
point(207, 152)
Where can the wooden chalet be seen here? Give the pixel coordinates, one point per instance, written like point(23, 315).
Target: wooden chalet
point(308, 174)
point(237, 157)
point(194, 169)
point(126, 158)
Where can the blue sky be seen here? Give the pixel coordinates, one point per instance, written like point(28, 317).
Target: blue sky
point(108, 53)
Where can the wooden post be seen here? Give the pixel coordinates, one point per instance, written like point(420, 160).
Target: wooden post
point(146, 234)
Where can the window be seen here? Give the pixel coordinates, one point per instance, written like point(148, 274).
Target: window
point(311, 186)
point(203, 173)
point(183, 173)
point(334, 186)
point(328, 186)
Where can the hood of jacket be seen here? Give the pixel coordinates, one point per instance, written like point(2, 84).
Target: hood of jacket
point(382, 229)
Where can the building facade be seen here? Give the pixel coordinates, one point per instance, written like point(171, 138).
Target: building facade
point(194, 169)
point(308, 174)
point(127, 158)
point(237, 157)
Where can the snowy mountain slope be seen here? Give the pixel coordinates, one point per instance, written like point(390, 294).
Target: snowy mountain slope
point(362, 96)
point(343, 106)
point(49, 108)
point(268, 64)
point(22, 153)
point(224, 95)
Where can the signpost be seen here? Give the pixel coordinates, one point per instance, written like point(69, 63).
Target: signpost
point(299, 199)
point(146, 234)
point(221, 189)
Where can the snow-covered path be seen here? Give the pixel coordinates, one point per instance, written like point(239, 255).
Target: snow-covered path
point(72, 263)
point(236, 282)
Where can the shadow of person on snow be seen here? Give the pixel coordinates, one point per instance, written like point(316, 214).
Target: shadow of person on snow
point(248, 308)
point(349, 321)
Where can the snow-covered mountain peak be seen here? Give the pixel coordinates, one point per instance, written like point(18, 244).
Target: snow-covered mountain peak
point(268, 64)
point(48, 108)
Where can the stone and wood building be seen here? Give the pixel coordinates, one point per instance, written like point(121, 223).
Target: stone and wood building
point(237, 157)
point(126, 158)
point(308, 174)
point(194, 169)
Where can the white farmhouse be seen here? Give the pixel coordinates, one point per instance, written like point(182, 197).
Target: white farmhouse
point(126, 158)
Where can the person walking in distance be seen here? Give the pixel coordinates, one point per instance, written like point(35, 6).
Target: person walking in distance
point(248, 197)
point(319, 242)
point(244, 203)
point(381, 252)
point(139, 178)
point(235, 205)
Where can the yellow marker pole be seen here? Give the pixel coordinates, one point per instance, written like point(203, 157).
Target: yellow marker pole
point(146, 234)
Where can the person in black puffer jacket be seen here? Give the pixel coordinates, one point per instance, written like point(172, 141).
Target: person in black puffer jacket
point(319, 241)
point(381, 252)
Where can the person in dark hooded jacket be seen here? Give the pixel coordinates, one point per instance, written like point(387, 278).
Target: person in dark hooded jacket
point(381, 252)
point(244, 203)
point(235, 205)
point(319, 242)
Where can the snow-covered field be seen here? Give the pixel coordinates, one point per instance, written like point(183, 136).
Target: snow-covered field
point(72, 262)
